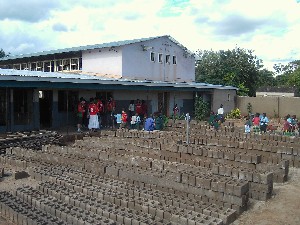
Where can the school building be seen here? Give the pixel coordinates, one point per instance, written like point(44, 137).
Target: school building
point(41, 90)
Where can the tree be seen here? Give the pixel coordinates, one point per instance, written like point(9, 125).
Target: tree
point(2, 53)
point(266, 78)
point(237, 67)
point(201, 108)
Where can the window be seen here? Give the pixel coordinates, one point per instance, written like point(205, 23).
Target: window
point(152, 56)
point(228, 97)
point(168, 59)
point(67, 100)
point(174, 60)
point(23, 106)
point(160, 57)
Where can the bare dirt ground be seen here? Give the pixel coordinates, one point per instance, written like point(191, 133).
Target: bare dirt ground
point(282, 209)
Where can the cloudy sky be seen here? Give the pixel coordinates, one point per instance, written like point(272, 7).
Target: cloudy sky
point(269, 27)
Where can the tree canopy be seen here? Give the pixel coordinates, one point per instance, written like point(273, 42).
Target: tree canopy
point(2, 53)
point(238, 67)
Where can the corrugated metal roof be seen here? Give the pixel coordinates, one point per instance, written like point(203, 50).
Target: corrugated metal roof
point(90, 47)
point(36, 76)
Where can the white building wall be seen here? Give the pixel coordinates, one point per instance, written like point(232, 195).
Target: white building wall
point(104, 61)
point(137, 63)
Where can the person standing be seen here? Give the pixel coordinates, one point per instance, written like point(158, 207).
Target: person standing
point(221, 113)
point(131, 111)
point(124, 118)
point(256, 122)
point(100, 110)
point(138, 108)
point(264, 123)
point(80, 114)
point(110, 109)
point(175, 111)
point(93, 111)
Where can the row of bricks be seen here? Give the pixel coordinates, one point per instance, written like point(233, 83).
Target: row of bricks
point(188, 204)
point(141, 204)
point(121, 216)
point(21, 213)
point(75, 214)
point(91, 178)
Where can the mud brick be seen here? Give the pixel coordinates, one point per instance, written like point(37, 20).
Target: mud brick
point(229, 155)
point(203, 182)
point(192, 180)
point(210, 153)
point(222, 185)
point(235, 200)
point(214, 184)
point(266, 178)
point(185, 178)
point(215, 168)
point(197, 151)
point(235, 172)
point(240, 188)
point(222, 170)
point(229, 187)
point(228, 171)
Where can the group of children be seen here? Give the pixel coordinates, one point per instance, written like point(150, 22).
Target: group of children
point(99, 113)
point(95, 113)
point(258, 123)
point(290, 125)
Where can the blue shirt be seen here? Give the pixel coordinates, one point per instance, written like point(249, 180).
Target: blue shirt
point(264, 121)
point(118, 118)
point(149, 124)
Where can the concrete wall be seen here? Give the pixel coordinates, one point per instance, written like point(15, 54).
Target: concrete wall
point(137, 63)
point(273, 106)
point(105, 61)
point(225, 97)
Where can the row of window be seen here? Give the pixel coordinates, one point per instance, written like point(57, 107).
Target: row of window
point(48, 66)
point(160, 58)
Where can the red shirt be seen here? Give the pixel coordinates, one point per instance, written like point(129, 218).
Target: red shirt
point(100, 106)
point(111, 105)
point(124, 117)
point(256, 121)
point(93, 109)
point(138, 108)
point(81, 107)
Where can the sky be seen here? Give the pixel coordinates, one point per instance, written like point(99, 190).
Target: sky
point(269, 27)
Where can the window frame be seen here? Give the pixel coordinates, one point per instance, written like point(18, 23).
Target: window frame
point(160, 58)
point(152, 56)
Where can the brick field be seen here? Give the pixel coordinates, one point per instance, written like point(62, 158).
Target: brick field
point(137, 177)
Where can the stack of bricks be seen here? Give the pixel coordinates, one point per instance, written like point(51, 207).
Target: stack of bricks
point(137, 177)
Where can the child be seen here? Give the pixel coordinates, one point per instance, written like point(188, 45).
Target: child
point(133, 122)
point(248, 125)
point(123, 119)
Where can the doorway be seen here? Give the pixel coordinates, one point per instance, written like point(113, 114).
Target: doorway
point(163, 103)
point(45, 104)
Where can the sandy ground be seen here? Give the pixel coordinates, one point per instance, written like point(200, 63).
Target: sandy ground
point(282, 209)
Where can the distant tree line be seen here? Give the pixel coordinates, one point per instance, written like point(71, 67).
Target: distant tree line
point(241, 68)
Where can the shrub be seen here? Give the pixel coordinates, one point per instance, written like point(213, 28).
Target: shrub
point(234, 114)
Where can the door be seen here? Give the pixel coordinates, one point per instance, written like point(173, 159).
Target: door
point(45, 103)
point(163, 103)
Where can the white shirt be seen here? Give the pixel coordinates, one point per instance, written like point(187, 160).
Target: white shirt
point(220, 111)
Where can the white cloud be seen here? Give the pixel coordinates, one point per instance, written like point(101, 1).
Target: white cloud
point(270, 27)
